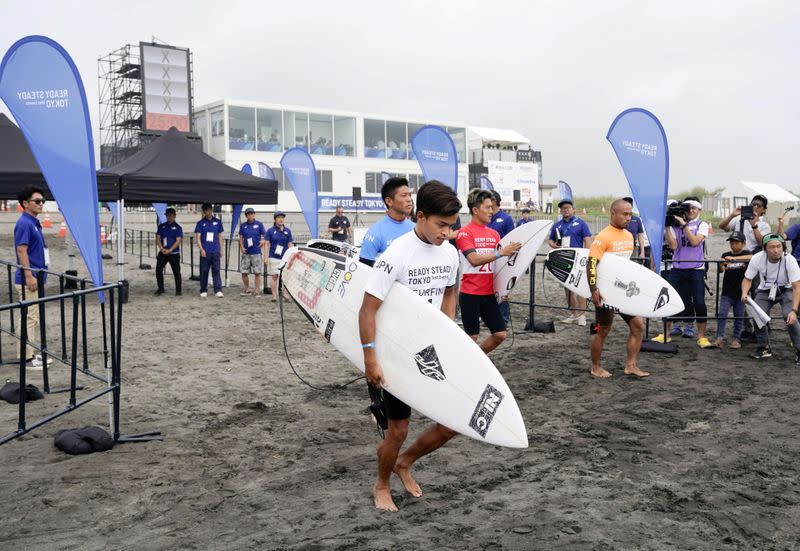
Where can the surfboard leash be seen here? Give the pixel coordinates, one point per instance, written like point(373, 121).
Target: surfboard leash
point(286, 348)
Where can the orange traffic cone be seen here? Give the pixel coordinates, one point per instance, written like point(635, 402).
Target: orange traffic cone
point(62, 231)
point(103, 238)
point(47, 223)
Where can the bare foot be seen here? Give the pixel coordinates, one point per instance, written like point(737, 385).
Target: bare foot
point(635, 371)
point(383, 499)
point(600, 373)
point(408, 481)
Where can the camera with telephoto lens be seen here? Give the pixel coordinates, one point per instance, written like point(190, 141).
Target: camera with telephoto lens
point(747, 212)
point(678, 209)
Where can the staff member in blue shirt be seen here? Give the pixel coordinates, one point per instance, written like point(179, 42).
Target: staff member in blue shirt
point(502, 222)
point(208, 233)
point(32, 255)
point(526, 217)
point(279, 238)
point(571, 231)
point(636, 227)
point(168, 243)
point(251, 245)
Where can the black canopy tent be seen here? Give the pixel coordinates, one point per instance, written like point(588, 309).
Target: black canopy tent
point(172, 170)
point(18, 167)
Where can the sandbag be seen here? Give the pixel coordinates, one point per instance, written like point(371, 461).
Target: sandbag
point(10, 393)
point(85, 440)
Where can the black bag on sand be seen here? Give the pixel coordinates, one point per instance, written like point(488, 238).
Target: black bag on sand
point(10, 393)
point(85, 440)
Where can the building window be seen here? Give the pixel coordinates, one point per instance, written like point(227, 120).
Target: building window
point(344, 136)
point(242, 128)
point(201, 127)
point(325, 181)
point(295, 130)
point(372, 182)
point(217, 123)
point(415, 181)
point(396, 140)
point(374, 139)
point(321, 134)
point(459, 136)
point(413, 128)
point(269, 125)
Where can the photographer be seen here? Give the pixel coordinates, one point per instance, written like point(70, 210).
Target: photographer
point(686, 238)
point(748, 221)
point(779, 283)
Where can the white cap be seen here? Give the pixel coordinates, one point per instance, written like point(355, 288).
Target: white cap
point(693, 203)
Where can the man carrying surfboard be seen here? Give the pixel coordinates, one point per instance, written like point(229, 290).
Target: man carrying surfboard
point(397, 197)
point(416, 260)
point(613, 239)
point(478, 245)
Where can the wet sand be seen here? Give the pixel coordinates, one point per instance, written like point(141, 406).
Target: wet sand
point(701, 455)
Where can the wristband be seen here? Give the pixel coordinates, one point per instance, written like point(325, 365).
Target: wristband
point(368, 345)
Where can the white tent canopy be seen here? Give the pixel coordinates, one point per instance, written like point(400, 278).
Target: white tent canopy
point(742, 192)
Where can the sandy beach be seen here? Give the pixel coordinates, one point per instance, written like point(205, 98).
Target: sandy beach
point(701, 455)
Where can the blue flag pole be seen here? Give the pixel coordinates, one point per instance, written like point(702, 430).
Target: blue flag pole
point(640, 143)
point(44, 92)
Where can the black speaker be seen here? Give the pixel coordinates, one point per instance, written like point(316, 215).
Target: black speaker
point(356, 194)
point(517, 196)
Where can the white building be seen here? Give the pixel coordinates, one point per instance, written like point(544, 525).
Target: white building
point(351, 149)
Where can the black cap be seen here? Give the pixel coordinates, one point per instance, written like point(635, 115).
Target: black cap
point(279, 213)
point(249, 210)
point(207, 206)
point(170, 210)
point(565, 201)
point(737, 236)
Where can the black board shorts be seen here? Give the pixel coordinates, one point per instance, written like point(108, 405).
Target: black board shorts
point(475, 308)
point(605, 316)
point(394, 407)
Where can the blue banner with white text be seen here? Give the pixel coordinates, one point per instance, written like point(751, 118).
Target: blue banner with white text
point(328, 203)
point(564, 190)
point(161, 212)
point(237, 209)
point(641, 146)
point(436, 155)
point(264, 171)
point(299, 169)
point(43, 90)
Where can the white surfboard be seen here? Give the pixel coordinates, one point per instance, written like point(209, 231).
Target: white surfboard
point(625, 285)
point(338, 247)
point(508, 269)
point(428, 361)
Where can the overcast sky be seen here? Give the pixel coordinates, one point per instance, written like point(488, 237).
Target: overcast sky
point(722, 76)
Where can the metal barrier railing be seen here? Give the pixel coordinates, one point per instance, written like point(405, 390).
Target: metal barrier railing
point(532, 304)
point(74, 351)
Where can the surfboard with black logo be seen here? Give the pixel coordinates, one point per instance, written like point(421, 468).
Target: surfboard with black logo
point(509, 269)
point(428, 361)
point(625, 285)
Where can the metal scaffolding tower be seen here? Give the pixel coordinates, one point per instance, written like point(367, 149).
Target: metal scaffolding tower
point(120, 91)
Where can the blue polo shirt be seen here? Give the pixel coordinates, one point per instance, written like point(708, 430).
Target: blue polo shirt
point(28, 231)
point(279, 238)
point(574, 228)
point(169, 233)
point(251, 235)
point(502, 223)
point(208, 230)
point(523, 221)
point(793, 235)
point(635, 226)
point(381, 235)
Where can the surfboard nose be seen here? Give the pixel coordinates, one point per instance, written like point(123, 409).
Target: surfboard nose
point(509, 428)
